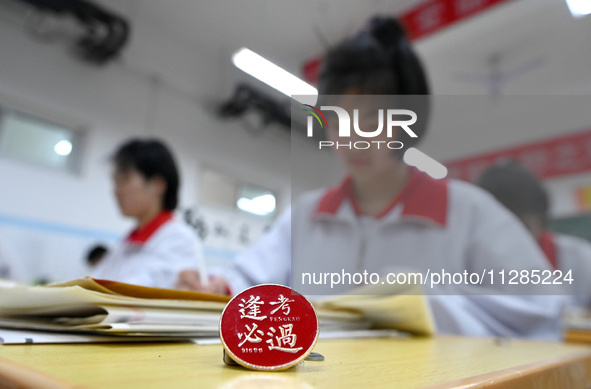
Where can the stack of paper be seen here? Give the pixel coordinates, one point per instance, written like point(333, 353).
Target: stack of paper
point(101, 307)
point(397, 307)
point(99, 310)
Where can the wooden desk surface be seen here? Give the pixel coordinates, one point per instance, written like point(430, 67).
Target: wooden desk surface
point(358, 363)
point(577, 336)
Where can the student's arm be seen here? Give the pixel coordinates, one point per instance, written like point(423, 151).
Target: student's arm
point(536, 317)
point(498, 241)
point(574, 256)
point(267, 261)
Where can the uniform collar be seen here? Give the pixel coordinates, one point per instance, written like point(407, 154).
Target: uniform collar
point(422, 198)
point(548, 246)
point(141, 235)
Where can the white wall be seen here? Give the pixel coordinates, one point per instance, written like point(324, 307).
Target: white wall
point(162, 87)
point(563, 194)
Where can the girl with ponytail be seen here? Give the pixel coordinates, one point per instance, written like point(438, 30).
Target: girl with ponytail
point(386, 217)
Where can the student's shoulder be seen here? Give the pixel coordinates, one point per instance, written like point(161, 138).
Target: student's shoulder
point(570, 242)
point(313, 196)
point(303, 206)
point(177, 229)
point(573, 253)
point(308, 201)
point(469, 193)
point(475, 202)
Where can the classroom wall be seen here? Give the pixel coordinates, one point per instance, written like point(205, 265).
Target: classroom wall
point(564, 196)
point(162, 87)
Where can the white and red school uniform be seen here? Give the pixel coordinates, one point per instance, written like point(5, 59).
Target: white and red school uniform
point(153, 255)
point(431, 224)
point(570, 253)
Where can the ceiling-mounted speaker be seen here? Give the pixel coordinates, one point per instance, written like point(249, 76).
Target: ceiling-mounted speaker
point(105, 33)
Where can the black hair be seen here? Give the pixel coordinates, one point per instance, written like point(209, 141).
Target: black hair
point(151, 158)
point(378, 61)
point(516, 188)
point(96, 253)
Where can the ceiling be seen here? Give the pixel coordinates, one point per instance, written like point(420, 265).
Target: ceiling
point(522, 47)
point(540, 49)
point(285, 31)
point(534, 46)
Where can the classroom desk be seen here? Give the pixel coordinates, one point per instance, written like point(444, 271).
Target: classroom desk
point(442, 362)
point(577, 336)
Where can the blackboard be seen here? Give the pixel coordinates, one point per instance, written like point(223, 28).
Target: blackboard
point(574, 225)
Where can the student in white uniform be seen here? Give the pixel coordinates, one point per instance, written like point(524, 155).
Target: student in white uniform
point(95, 255)
point(6, 272)
point(387, 217)
point(522, 193)
point(146, 187)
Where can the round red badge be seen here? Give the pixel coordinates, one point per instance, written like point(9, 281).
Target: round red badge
point(269, 327)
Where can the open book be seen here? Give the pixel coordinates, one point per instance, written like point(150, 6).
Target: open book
point(99, 307)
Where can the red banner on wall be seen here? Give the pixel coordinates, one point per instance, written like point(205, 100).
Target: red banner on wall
point(434, 15)
point(547, 158)
point(420, 21)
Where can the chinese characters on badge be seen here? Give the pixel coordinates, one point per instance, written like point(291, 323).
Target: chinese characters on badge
point(280, 337)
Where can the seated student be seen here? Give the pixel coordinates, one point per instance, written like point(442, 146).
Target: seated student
point(385, 215)
point(5, 268)
point(11, 268)
point(146, 188)
point(522, 193)
point(95, 255)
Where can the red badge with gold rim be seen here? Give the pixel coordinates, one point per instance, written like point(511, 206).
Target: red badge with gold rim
point(269, 327)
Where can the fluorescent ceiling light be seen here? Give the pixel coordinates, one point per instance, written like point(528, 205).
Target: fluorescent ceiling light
point(579, 8)
point(261, 205)
point(423, 162)
point(274, 76)
point(63, 147)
